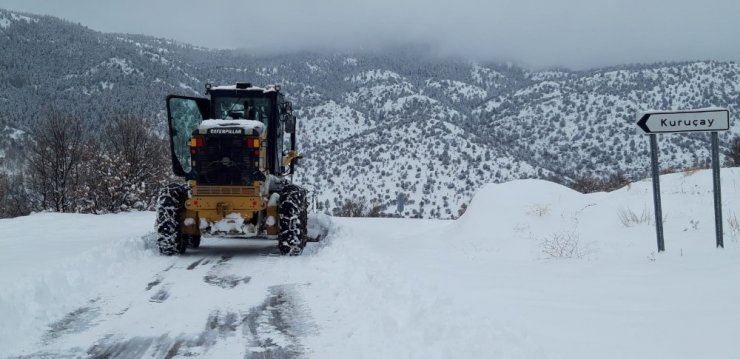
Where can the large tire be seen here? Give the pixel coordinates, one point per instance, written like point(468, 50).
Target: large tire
point(193, 241)
point(293, 222)
point(170, 205)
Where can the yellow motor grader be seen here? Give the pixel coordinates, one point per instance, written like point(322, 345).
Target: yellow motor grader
point(236, 148)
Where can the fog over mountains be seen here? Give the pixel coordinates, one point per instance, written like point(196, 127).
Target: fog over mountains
point(416, 133)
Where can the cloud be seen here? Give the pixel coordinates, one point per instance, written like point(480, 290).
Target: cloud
point(540, 33)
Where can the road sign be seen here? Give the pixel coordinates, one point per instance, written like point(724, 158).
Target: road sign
point(703, 120)
point(712, 120)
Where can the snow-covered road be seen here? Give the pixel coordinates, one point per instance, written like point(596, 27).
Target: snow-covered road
point(484, 286)
point(223, 299)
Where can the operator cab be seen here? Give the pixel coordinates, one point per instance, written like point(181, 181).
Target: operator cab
point(243, 102)
point(229, 123)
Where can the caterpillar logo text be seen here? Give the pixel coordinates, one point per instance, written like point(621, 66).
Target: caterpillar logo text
point(225, 131)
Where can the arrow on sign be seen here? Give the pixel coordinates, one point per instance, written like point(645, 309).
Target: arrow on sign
point(685, 121)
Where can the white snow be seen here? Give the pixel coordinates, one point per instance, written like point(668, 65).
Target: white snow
point(50, 262)
point(457, 90)
point(488, 285)
point(14, 133)
point(5, 22)
point(232, 223)
point(274, 198)
point(268, 88)
point(247, 125)
point(123, 64)
point(185, 86)
point(311, 67)
point(373, 75)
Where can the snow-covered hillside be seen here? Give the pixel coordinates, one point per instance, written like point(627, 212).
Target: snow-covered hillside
point(531, 270)
point(584, 123)
point(404, 129)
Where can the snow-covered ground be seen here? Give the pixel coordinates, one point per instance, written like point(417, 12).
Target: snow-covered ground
point(489, 285)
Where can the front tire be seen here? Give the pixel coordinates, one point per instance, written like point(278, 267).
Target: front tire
point(170, 205)
point(293, 213)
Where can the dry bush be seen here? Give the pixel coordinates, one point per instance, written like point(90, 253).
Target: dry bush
point(70, 171)
point(53, 160)
point(359, 207)
point(733, 154)
point(539, 210)
point(13, 196)
point(734, 225)
point(587, 184)
point(691, 171)
point(564, 245)
point(630, 218)
point(461, 211)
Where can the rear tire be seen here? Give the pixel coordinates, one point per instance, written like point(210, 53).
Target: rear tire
point(170, 205)
point(194, 241)
point(293, 213)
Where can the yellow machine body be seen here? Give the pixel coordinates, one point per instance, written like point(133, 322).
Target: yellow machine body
point(211, 204)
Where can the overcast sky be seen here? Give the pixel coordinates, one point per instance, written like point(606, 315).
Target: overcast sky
point(539, 33)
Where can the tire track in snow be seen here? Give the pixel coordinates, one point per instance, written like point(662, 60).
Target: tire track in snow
point(272, 329)
point(74, 322)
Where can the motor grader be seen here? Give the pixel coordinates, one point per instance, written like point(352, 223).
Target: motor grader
point(236, 149)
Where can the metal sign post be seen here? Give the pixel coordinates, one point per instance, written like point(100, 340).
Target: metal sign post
point(656, 191)
point(704, 120)
point(717, 190)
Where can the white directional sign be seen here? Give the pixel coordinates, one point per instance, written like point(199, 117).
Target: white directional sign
point(685, 121)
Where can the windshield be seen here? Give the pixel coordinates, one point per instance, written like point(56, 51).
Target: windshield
point(250, 108)
point(184, 119)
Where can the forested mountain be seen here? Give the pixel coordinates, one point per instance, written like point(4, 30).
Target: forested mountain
point(401, 128)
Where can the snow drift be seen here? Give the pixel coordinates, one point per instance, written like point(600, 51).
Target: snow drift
point(531, 270)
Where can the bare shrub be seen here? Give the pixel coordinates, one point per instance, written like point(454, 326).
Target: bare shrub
point(693, 224)
point(734, 225)
point(122, 169)
point(733, 154)
point(565, 244)
point(539, 210)
point(588, 184)
point(691, 171)
point(615, 181)
point(13, 196)
point(132, 165)
point(53, 161)
point(461, 211)
point(359, 207)
point(629, 218)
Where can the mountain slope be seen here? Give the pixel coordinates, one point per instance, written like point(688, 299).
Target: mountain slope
point(399, 127)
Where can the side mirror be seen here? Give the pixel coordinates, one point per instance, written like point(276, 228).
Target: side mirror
point(290, 124)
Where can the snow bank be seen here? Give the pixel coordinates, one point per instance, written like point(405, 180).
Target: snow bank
point(501, 203)
point(515, 219)
point(503, 219)
point(485, 286)
point(54, 262)
point(367, 306)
